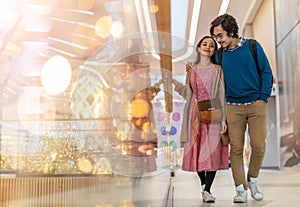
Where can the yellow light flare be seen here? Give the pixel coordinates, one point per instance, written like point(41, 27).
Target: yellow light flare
point(148, 127)
point(102, 27)
point(56, 75)
point(149, 131)
point(153, 9)
point(140, 108)
point(85, 165)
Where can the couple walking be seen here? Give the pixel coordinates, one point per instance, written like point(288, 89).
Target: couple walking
point(242, 83)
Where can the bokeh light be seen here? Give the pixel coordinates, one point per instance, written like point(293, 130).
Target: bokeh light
point(153, 9)
point(117, 29)
point(56, 75)
point(103, 25)
point(140, 108)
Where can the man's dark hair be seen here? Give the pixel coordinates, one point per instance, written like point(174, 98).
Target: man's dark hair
point(228, 23)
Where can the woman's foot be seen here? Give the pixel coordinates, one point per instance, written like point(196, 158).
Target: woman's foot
point(208, 197)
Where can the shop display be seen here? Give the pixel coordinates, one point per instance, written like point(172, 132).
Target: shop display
point(59, 147)
point(111, 132)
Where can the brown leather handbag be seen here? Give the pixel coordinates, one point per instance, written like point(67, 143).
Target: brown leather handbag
point(210, 110)
point(211, 116)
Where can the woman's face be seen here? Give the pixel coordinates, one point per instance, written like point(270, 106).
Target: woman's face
point(207, 47)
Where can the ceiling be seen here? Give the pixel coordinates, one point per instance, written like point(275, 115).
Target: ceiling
point(39, 29)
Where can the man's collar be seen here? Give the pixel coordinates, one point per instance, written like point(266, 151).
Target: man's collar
point(240, 44)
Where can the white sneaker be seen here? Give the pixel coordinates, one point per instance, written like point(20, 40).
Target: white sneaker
point(255, 190)
point(208, 197)
point(202, 188)
point(241, 195)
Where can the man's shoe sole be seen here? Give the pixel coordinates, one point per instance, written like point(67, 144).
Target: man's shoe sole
point(239, 201)
point(208, 201)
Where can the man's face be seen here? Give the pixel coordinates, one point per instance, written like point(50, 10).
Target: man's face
point(220, 35)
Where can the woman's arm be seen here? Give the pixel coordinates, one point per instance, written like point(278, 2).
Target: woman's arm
point(183, 90)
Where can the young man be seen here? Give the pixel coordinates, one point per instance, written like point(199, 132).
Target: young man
point(248, 88)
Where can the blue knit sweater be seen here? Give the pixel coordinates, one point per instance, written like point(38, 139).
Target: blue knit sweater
point(243, 83)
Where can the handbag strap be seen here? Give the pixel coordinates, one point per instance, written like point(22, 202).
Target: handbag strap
point(195, 83)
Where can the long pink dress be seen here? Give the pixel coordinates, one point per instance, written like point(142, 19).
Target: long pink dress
point(204, 151)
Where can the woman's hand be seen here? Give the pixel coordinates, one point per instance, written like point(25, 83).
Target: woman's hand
point(223, 127)
point(189, 66)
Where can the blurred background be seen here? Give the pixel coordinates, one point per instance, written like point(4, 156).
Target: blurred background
point(80, 82)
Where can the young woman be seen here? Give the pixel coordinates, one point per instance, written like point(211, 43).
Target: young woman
point(203, 151)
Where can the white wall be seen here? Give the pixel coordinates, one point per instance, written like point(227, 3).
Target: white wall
point(263, 29)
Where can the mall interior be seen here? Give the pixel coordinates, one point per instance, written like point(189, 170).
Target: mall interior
point(89, 115)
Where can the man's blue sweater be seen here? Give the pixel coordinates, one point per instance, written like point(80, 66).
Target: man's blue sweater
point(242, 81)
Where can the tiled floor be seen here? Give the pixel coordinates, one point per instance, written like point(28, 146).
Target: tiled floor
point(280, 188)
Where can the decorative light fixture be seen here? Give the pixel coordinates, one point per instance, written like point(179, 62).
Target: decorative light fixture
point(224, 7)
point(145, 26)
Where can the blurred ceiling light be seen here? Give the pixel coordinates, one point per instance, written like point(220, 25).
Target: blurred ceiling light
point(68, 43)
point(56, 75)
point(36, 18)
point(103, 25)
point(87, 37)
point(7, 19)
point(72, 55)
point(85, 24)
point(77, 34)
point(194, 21)
point(143, 13)
point(117, 29)
point(80, 11)
point(224, 7)
point(147, 19)
point(192, 32)
point(144, 20)
point(11, 5)
point(140, 15)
